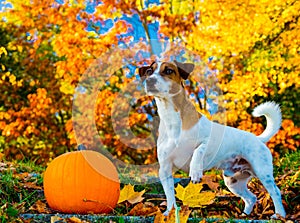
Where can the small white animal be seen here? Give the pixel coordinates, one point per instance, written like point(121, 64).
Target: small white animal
point(189, 141)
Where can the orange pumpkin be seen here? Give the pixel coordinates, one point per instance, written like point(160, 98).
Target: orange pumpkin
point(82, 182)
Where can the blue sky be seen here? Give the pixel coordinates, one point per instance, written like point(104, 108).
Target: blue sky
point(4, 4)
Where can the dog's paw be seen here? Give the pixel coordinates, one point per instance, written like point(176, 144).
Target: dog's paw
point(166, 213)
point(277, 217)
point(196, 176)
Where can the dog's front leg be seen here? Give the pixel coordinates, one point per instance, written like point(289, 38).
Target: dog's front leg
point(166, 177)
point(196, 165)
point(167, 181)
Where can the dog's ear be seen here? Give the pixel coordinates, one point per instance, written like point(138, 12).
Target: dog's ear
point(184, 69)
point(142, 71)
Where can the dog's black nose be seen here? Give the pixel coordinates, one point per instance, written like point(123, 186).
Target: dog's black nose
point(151, 81)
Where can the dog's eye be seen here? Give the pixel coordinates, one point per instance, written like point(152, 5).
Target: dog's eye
point(168, 71)
point(149, 71)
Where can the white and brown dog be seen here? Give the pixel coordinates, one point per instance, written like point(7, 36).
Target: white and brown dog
point(189, 141)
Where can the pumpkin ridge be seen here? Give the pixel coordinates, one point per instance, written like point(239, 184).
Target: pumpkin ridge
point(64, 165)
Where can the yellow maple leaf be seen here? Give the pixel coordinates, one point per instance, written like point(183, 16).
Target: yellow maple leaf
point(191, 195)
point(128, 194)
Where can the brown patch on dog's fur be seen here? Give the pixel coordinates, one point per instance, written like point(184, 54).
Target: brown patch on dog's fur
point(188, 113)
point(174, 76)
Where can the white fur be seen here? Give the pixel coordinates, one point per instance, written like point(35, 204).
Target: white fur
point(207, 144)
point(273, 115)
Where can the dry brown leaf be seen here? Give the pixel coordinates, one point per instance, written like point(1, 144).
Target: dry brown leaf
point(184, 213)
point(128, 194)
point(74, 220)
point(160, 218)
point(39, 207)
point(295, 216)
point(143, 209)
point(55, 219)
point(32, 185)
point(164, 203)
point(265, 202)
point(209, 180)
point(22, 176)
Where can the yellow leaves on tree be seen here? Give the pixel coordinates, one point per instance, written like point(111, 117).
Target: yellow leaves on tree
point(252, 48)
point(255, 47)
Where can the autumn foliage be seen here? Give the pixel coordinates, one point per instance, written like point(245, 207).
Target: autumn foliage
point(251, 48)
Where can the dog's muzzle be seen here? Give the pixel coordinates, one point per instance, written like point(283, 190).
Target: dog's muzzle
point(150, 82)
point(149, 85)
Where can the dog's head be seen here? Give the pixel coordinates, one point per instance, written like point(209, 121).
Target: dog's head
point(164, 79)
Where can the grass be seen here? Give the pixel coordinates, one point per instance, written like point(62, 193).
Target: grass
point(16, 197)
point(290, 161)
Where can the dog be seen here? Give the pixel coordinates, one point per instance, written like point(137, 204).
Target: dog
point(189, 141)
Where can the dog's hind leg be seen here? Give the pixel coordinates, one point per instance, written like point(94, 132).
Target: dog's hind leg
point(238, 186)
point(265, 174)
point(269, 183)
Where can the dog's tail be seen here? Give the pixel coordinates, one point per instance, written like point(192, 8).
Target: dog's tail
point(272, 112)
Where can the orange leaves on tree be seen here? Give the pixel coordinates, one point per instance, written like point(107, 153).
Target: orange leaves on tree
point(254, 46)
point(285, 139)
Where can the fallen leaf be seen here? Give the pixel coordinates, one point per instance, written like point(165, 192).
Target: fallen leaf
point(161, 218)
point(192, 197)
point(128, 194)
point(164, 203)
point(209, 181)
point(265, 202)
point(55, 219)
point(39, 207)
point(143, 209)
point(22, 176)
point(74, 220)
point(32, 185)
point(1, 156)
point(295, 216)
point(184, 213)
point(7, 167)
